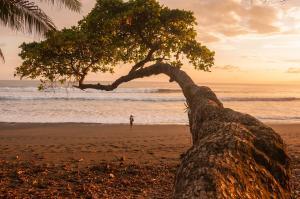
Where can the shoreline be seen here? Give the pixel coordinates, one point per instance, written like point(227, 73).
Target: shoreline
point(138, 124)
point(127, 124)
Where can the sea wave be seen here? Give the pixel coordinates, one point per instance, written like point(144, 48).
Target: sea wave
point(145, 98)
point(124, 94)
point(260, 99)
point(75, 90)
point(98, 98)
point(118, 90)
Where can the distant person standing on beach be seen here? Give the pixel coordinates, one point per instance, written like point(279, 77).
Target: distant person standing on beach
point(131, 119)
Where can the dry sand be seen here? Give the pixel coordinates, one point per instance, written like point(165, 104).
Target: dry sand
point(159, 146)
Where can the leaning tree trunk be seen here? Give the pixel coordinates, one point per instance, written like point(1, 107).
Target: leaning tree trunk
point(233, 154)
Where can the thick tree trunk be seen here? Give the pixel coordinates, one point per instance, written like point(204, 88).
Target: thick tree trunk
point(233, 154)
point(81, 79)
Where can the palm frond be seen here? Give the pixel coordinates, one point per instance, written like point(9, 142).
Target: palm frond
point(74, 5)
point(24, 15)
point(1, 55)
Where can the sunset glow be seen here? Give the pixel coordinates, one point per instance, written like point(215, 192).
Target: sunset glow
point(253, 44)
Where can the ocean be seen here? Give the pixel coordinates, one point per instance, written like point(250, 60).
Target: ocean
point(149, 102)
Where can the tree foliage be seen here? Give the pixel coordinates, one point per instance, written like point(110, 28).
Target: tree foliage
point(64, 55)
point(139, 32)
point(146, 30)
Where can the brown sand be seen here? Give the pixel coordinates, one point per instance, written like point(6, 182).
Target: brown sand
point(92, 144)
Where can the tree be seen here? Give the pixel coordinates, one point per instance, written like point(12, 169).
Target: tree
point(25, 15)
point(233, 154)
point(65, 55)
point(138, 32)
point(150, 32)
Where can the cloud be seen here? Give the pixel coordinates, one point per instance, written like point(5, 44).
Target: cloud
point(293, 60)
point(230, 18)
point(228, 68)
point(261, 19)
point(293, 70)
point(2, 44)
point(208, 37)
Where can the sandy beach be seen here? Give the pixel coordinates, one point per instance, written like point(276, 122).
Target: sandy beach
point(153, 151)
point(59, 143)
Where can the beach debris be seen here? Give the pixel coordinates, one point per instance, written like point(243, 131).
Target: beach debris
point(111, 175)
point(122, 159)
point(20, 172)
point(24, 179)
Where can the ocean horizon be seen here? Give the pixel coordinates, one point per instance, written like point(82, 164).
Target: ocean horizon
point(149, 102)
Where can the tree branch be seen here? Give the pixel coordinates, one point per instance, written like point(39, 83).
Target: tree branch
point(159, 68)
point(144, 61)
point(189, 88)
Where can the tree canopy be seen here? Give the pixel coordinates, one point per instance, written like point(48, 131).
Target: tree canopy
point(137, 32)
point(65, 54)
point(146, 31)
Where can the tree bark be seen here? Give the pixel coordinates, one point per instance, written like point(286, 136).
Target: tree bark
point(81, 79)
point(233, 154)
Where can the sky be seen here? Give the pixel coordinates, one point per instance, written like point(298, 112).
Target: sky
point(254, 42)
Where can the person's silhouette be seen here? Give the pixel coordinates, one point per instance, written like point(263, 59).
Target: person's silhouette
point(131, 119)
